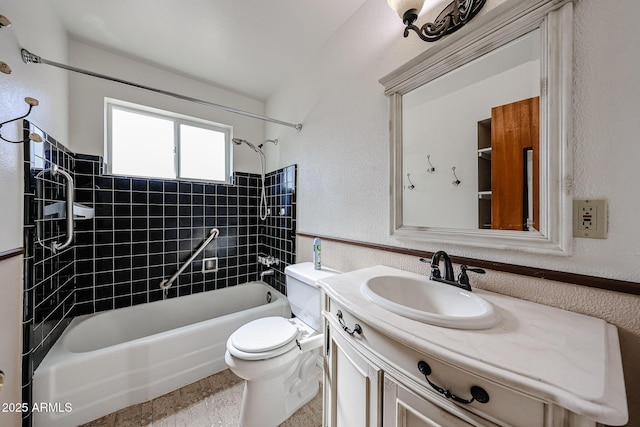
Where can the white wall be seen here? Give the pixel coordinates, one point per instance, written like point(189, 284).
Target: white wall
point(343, 152)
point(43, 35)
point(87, 95)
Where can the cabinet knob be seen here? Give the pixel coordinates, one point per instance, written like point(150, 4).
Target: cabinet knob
point(477, 393)
point(356, 328)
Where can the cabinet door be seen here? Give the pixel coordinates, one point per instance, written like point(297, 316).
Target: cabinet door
point(352, 386)
point(403, 408)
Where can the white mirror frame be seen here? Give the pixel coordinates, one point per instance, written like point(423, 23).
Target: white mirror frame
point(504, 23)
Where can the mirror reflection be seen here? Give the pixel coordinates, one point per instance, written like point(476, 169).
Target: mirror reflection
point(471, 143)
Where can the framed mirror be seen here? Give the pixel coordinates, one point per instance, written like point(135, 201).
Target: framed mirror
point(480, 133)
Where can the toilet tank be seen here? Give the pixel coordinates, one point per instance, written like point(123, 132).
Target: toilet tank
point(303, 293)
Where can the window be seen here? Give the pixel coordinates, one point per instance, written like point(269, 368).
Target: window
point(147, 142)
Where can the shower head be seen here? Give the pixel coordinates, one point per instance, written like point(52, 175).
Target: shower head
point(263, 209)
point(239, 141)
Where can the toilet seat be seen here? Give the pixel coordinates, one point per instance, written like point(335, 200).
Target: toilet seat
point(263, 339)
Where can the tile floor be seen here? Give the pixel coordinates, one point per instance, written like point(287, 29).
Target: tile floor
point(211, 402)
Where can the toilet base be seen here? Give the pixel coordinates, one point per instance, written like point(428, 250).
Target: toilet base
point(269, 402)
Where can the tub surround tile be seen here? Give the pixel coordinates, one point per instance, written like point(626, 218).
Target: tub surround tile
point(48, 278)
point(277, 232)
point(151, 226)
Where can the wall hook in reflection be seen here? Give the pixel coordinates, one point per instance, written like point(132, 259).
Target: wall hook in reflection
point(430, 169)
point(32, 102)
point(456, 181)
point(411, 186)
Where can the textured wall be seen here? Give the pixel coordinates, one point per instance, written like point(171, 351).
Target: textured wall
point(343, 159)
point(343, 155)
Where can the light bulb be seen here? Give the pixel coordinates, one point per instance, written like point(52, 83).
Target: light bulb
point(402, 6)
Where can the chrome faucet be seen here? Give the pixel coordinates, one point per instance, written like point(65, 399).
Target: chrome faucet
point(266, 273)
point(463, 278)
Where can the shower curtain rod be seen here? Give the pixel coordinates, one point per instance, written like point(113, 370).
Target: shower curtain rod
point(30, 58)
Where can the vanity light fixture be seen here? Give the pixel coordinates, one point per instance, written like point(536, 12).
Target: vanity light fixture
point(451, 19)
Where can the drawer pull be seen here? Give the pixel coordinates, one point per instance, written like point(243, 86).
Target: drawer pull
point(477, 393)
point(356, 328)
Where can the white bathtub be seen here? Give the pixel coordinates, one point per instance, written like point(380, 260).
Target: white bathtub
point(107, 361)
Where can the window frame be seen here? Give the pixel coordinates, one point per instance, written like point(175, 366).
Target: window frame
point(177, 120)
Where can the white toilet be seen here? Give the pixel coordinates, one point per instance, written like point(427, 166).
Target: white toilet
point(277, 356)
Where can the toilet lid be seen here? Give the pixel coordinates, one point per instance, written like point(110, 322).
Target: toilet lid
point(263, 335)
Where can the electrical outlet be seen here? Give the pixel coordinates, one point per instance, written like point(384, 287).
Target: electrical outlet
point(590, 218)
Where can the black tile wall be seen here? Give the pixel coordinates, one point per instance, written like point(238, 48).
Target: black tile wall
point(142, 232)
point(48, 276)
point(277, 232)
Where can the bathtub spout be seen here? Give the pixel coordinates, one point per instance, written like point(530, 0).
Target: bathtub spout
point(266, 273)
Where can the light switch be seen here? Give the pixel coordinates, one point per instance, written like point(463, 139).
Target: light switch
point(590, 218)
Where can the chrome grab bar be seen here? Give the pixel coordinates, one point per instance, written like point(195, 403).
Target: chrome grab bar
point(69, 200)
point(70, 189)
point(166, 283)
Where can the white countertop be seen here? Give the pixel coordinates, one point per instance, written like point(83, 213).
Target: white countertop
point(563, 357)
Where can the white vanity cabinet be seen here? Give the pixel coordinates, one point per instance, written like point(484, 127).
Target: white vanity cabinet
point(371, 380)
point(372, 375)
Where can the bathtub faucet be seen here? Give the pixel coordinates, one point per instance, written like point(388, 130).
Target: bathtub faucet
point(266, 273)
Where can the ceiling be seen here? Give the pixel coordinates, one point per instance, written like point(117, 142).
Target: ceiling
point(248, 46)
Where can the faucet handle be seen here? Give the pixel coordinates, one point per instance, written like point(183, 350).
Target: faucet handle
point(463, 279)
point(435, 269)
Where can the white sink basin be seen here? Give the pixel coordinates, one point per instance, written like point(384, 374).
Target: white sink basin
point(430, 302)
